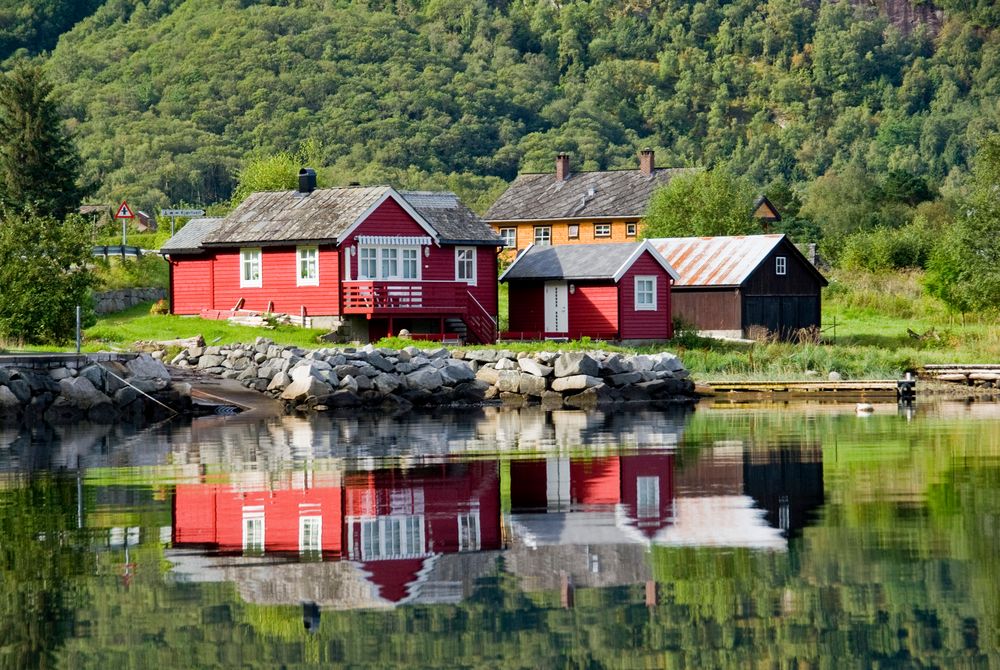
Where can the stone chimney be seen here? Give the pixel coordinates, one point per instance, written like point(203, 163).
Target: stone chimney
point(562, 166)
point(647, 162)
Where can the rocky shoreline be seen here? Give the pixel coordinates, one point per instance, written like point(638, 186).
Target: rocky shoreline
point(102, 389)
point(334, 378)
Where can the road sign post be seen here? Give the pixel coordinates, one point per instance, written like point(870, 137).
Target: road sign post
point(124, 213)
point(174, 213)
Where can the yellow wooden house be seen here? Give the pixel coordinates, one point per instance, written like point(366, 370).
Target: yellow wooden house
point(577, 208)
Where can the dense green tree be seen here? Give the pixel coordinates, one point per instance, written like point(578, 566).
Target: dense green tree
point(39, 165)
point(965, 265)
point(43, 277)
point(706, 202)
point(35, 25)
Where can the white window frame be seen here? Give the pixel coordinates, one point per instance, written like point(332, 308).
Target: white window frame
point(645, 306)
point(410, 256)
point(465, 265)
point(254, 532)
point(385, 258)
point(310, 534)
point(545, 238)
point(647, 497)
point(395, 536)
point(573, 231)
point(311, 265)
point(469, 537)
point(780, 265)
point(250, 258)
point(509, 236)
point(602, 230)
point(631, 229)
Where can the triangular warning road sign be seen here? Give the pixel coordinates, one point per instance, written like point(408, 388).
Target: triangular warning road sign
point(124, 212)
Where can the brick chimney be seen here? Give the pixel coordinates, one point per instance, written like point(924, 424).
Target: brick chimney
point(646, 162)
point(562, 166)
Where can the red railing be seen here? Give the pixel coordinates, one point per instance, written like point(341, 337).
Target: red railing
point(480, 323)
point(522, 335)
point(367, 297)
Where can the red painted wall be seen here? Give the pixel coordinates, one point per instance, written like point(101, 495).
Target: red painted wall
point(214, 283)
point(526, 306)
point(593, 310)
point(212, 514)
point(191, 284)
point(643, 325)
point(660, 466)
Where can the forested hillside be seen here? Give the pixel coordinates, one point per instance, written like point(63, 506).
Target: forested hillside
point(168, 97)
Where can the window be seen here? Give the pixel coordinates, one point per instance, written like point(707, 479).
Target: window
point(631, 228)
point(543, 234)
point(392, 537)
point(509, 236)
point(573, 231)
point(645, 294)
point(602, 230)
point(388, 263)
point(465, 264)
point(647, 497)
point(367, 263)
point(468, 532)
point(310, 534)
point(253, 532)
point(780, 265)
point(308, 267)
point(410, 257)
point(250, 268)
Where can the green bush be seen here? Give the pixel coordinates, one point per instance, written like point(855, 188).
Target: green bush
point(883, 249)
point(114, 272)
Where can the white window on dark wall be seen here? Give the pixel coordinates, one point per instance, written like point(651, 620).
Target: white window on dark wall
point(645, 294)
point(368, 263)
point(310, 534)
point(780, 265)
point(410, 260)
point(308, 262)
point(250, 271)
point(388, 263)
point(465, 264)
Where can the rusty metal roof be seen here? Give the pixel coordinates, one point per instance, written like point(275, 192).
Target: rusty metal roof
point(716, 261)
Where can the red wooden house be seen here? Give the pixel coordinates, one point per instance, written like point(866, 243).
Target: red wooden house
point(367, 260)
point(602, 291)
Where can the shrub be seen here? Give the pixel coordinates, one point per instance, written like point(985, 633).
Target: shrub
point(160, 307)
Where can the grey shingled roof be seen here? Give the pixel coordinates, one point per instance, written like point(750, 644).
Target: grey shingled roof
point(615, 193)
point(189, 238)
point(571, 261)
point(326, 214)
point(455, 222)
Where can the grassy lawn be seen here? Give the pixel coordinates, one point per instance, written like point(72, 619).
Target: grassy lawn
point(865, 324)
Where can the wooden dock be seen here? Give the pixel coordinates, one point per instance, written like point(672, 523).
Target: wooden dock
point(877, 389)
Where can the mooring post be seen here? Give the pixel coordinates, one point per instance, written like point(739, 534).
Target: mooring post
point(78, 329)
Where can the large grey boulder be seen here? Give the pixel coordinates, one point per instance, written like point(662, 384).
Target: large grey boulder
point(625, 378)
point(668, 362)
point(8, 400)
point(424, 379)
point(488, 375)
point(386, 383)
point(210, 361)
point(533, 367)
point(574, 363)
point(456, 372)
point(96, 374)
point(532, 384)
point(506, 364)
point(574, 383)
point(508, 381)
point(379, 361)
point(307, 387)
point(80, 393)
point(320, 370)
point(279, 381)
point(145, 366)
point(481, 355)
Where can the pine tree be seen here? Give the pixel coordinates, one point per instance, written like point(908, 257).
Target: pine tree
point(39, 164)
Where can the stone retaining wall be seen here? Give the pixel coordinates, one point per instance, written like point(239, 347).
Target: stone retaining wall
point(107, 302)
point(332, 378)
point(111, 388)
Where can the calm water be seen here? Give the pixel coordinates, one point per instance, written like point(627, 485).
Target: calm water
point(798, 536)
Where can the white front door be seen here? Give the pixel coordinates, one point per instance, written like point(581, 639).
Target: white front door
point(556, 307)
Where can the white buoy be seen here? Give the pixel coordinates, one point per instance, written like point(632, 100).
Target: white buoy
point(864, 408)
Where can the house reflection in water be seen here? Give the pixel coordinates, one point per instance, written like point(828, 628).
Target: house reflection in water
point(425, 534)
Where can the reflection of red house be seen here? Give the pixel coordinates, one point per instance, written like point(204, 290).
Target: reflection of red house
point(640, 486)
point(393, 522)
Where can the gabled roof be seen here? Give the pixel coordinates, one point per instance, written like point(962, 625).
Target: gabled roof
point(721, 261)
point(332, 214)
point(454, 222)
point(583, 195)
point(763, 209)
point(580, 261)
point(189, 238)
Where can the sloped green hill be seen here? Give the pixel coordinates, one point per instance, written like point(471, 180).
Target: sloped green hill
point(168, 96)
